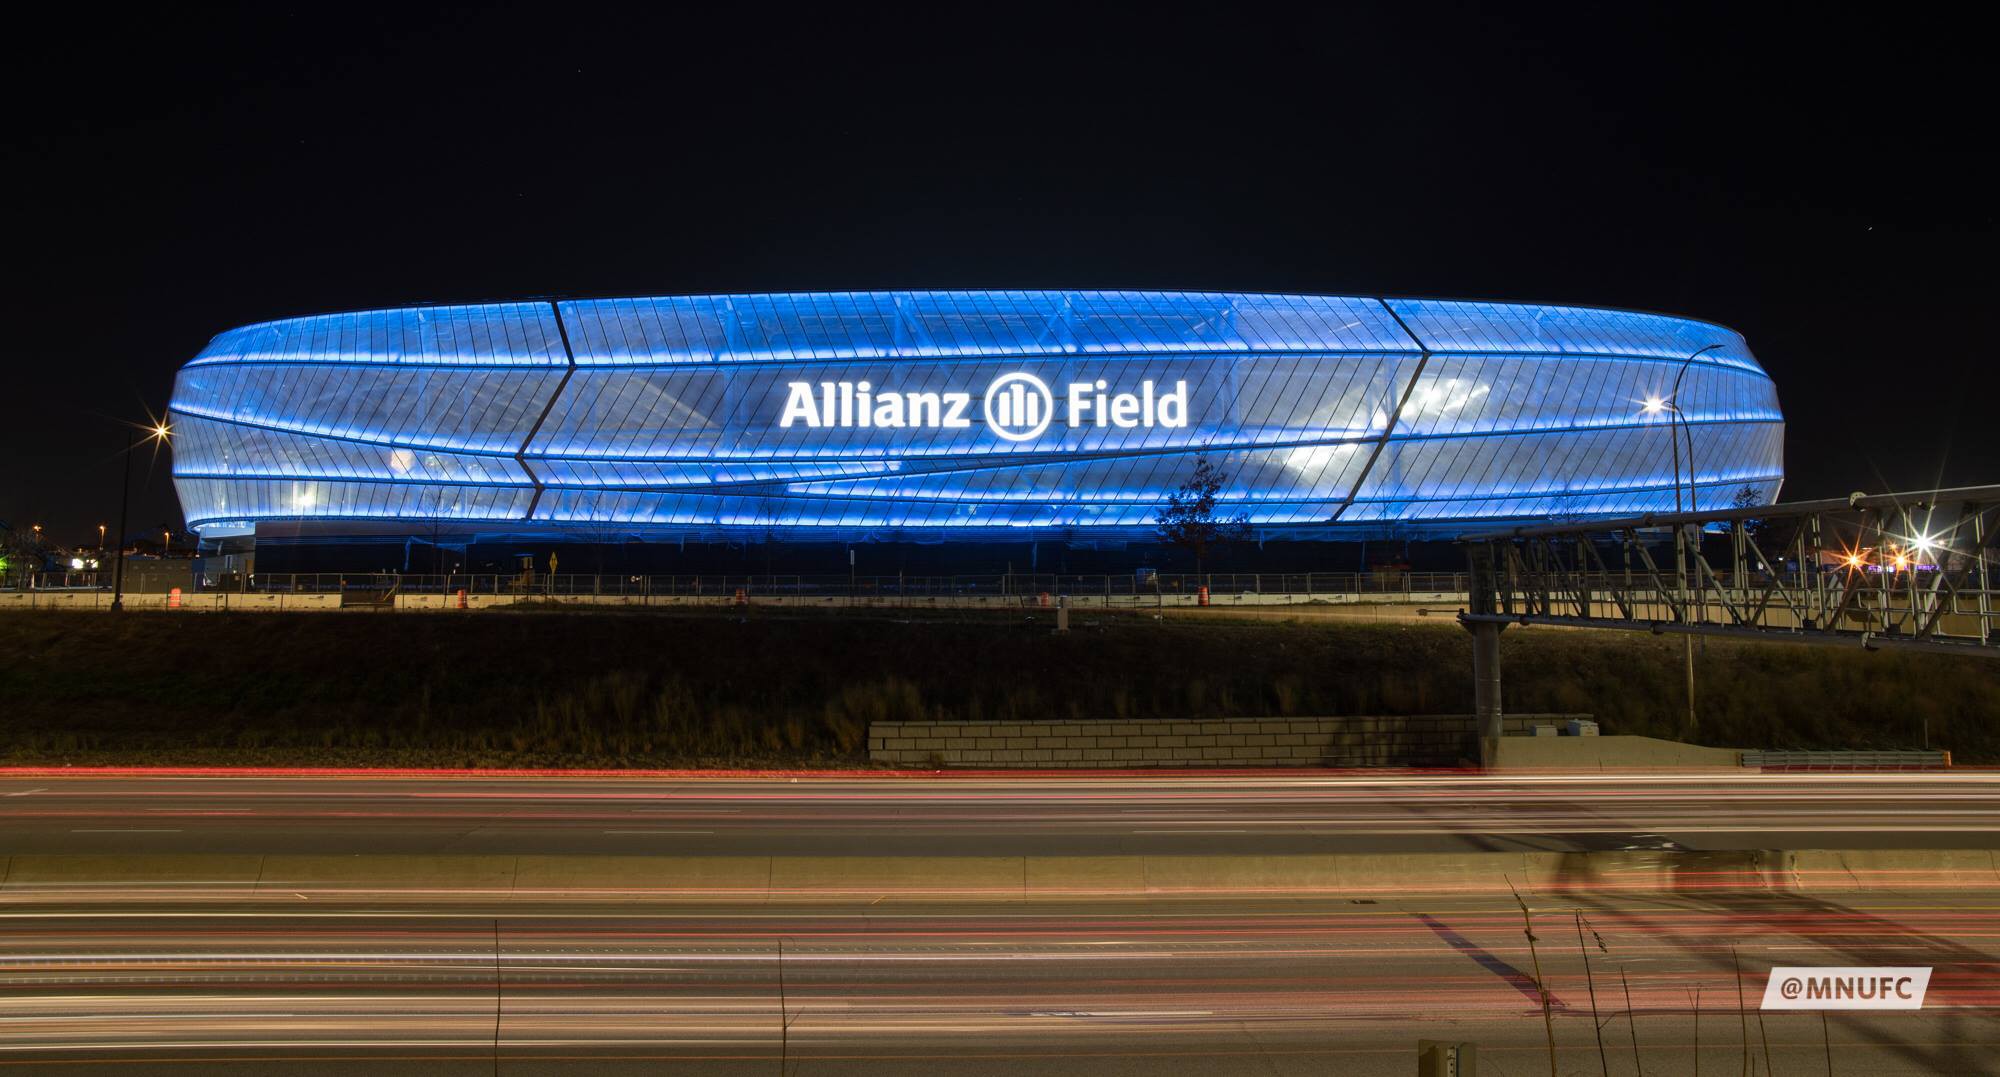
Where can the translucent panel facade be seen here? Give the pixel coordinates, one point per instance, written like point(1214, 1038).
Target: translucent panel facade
point(942, 414)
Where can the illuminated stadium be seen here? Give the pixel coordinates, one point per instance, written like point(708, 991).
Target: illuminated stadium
point(976, 415)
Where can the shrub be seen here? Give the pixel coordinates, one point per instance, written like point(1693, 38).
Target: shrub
point(649, 688)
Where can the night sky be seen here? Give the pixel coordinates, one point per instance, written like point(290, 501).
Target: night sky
point(1824, 186)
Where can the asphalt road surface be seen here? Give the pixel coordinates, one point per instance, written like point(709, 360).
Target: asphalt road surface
point(461, 982)
point(876, 815)
point(1098, 988)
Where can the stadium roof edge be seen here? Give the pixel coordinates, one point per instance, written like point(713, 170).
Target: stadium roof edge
point(603, 297)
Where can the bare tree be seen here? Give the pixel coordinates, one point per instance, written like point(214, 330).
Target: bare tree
point(1189, 519)
point(21, 551)
point(1748, 497)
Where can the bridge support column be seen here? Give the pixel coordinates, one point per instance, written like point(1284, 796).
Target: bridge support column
point(1486, 685)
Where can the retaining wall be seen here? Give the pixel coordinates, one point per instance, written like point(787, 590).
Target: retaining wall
point(1417, 741)
point(1607, 753)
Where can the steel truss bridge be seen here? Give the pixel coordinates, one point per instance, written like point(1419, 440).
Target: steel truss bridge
point(1905, 570)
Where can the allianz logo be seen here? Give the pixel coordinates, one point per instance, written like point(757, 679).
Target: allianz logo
point(1016, 406)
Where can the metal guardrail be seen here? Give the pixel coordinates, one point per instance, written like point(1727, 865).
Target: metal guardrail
point(1911, 759)
point(1304, 585)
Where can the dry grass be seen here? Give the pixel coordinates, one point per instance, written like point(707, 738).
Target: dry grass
point(711, 688)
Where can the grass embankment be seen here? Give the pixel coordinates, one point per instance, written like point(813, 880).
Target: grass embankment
point(501, 688)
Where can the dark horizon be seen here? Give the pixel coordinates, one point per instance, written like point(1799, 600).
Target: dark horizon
point(1807, 182)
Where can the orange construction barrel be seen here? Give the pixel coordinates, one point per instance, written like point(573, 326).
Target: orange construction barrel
point(1201, 596)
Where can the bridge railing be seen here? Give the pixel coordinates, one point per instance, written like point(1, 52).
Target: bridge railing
point(1294, 586)
point(1912, 570)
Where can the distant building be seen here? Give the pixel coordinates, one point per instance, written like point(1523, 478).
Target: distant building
point(934, 416)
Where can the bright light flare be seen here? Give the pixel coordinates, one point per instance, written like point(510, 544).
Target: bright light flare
point(1652, 405)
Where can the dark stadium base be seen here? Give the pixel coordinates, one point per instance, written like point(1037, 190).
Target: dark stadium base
point(408, 554)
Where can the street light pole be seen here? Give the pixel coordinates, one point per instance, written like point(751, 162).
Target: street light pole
point(159, 432)
point(124, 510)
point(1679, 418)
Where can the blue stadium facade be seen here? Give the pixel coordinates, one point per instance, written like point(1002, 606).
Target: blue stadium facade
point(981, 415)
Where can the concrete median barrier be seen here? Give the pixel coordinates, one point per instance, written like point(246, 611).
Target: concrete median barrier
point(1388, 872)
point(1896, 869)
point(1058, 878)
point(1251, 876)
point(902, 877)
point(870, 880)
point(490, 874)
point(733, 878)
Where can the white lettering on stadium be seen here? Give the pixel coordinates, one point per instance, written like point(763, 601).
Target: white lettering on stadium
point(1016, 406)
point(851, 403)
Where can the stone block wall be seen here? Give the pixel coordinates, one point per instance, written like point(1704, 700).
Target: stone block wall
point(1415, 741)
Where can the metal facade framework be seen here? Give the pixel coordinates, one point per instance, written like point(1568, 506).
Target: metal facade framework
point(1909, 570)
point(809, 413)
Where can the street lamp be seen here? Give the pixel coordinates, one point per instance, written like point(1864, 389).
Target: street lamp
point(158, 434)
point(1653, 405)
point(1673, 402)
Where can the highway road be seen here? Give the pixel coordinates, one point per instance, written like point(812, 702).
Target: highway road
point(1080, 814)
point(120, 977)
point(1099, 988)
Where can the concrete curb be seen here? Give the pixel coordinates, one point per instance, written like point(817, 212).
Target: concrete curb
point(759, 879)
